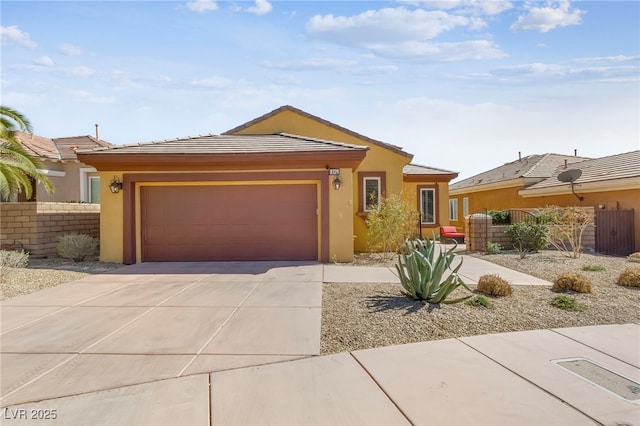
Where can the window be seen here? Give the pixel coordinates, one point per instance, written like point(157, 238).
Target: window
point(453, 209)
point(428, 206)
point(371, 193)
point(465, 206)
point(94, 189)
point(371, 189)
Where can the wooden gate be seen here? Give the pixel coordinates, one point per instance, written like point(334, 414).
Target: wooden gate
point(614, 232)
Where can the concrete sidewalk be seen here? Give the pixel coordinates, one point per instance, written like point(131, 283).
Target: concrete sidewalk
point(471, 271)
point(522, 378)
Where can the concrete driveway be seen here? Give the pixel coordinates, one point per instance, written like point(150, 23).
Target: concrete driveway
point(147, 322)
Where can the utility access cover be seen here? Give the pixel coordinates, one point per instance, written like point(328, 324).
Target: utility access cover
point(603, 378)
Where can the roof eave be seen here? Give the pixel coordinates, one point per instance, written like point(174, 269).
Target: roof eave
point(564, 189)
point(441, 177)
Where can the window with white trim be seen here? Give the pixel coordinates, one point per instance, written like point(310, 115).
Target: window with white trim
point(427, 206)
point(371, 193)
point(465, 206)
point(453, 209)
point(94, 189)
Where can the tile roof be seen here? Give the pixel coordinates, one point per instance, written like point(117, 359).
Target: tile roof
point(58, 148)
point(389, 146)
point(619, 166)
point(533, 166)
point(417, 169)
point(232, 144)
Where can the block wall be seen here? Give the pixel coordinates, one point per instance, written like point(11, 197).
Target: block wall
point(35, 227)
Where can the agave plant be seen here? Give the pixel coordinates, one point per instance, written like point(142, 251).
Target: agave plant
point(421, 272)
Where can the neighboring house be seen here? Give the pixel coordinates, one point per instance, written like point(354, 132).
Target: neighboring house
point(72, 180)
point(609, 183)
point(285, 186)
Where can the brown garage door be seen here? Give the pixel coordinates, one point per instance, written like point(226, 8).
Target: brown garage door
point(243, 222)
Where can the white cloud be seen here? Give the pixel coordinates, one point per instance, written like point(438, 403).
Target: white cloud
point(440, 52)
point(90, 97)
point(537, 71)
point(14, 35)
point(618, 58)
point(549, 17)
point(262, 7)
point(214, 82)
point(43, 61)
point(475, 7)
point(202, 6)
point(311, 64)
point(384, 25)
point(70, 50)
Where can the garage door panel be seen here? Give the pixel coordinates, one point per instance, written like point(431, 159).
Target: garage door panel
point(259, 222)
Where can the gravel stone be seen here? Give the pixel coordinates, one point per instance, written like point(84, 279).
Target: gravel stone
point(361, 316)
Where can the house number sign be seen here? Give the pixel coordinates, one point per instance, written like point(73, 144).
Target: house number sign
point(334, 171)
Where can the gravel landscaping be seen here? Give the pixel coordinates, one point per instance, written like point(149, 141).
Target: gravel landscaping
point(45, 273)
point(361, 316)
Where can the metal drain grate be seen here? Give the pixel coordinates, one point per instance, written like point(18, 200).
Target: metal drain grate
point(603, 378)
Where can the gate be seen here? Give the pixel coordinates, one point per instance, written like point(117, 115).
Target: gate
point(614, 232)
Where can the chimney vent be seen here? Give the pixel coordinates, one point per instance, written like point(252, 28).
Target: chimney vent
point(519, 156)
point(97, 132)
point(565, 163)
point(575, 152)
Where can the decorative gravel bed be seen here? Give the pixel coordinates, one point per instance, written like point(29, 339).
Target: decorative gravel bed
point(359, 316)
point(45, 273)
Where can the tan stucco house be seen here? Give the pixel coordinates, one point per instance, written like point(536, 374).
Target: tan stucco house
point(73, 180)
point(285, 186)
point(608, 184)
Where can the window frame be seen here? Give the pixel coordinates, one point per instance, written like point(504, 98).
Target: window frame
point(381, 177)
point(453, 211)
point(436, 218)
point(465, 206)
point(90, 186)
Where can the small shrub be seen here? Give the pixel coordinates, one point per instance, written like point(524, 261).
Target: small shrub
point(493, 248)
point(494, 285)
point(478, 300)
point(78, 247)
point(528, 237)
point(391, 224)
point(14, 258)
point(634, 257)
point(567, 303)
point(572, 281)
point(593, 268)
point(630, 277)
point(500, 217)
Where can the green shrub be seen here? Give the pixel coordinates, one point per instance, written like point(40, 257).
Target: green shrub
point(528, 237)
point(500, 217)
point(593, 268)
point(494, 285)
point(630, 277)
point(478, 300)
point(493, 248)
point(421, 272)
point(78, 247)
point(572, 281)
point(567, 304)
point(14, 258)
point(391, 224)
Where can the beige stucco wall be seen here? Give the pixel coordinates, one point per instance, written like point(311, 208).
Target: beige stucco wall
point(68, 187)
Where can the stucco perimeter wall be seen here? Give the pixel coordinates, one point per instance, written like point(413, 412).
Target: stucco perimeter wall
point(35, 226)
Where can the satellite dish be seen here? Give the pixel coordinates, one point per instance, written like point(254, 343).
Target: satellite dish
point(571, 176)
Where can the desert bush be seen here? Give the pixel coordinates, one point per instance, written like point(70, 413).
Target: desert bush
point(572, 281)
point(634, 257)
point(14, 258)
point(566, 227)
point(500, 217)
point(528, 237)
point(630, 277)
point(421, 272)
point(493, 248)
point(567, 304)
point(478, 300)
point(391, 224)
point(78, 247)
point(494, 285)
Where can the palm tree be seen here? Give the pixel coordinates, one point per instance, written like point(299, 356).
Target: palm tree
point(18, 168)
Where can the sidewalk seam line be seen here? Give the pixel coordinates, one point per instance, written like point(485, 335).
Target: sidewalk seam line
point(382, 389)
point(531, 382)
